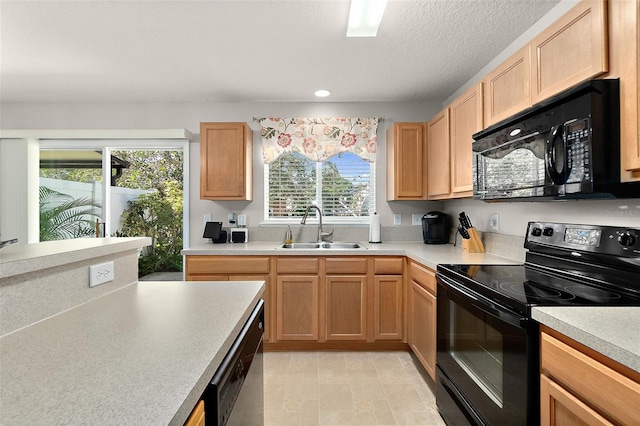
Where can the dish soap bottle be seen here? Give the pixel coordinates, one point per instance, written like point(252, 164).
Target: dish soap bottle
point(288, 236)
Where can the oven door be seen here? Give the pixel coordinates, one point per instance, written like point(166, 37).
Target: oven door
point(487, 360)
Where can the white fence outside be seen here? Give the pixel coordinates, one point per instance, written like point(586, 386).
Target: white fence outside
point(93, 191)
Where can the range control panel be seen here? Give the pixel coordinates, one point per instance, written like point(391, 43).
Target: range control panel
point(618, 241)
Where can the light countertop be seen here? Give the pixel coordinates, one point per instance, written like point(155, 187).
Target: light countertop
point(612, 331)
point(429, 255)
point(19, 259)
point(142, 354)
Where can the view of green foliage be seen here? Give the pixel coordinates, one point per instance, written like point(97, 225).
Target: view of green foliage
point(157, 215)
point(292, 187)
point(63, 217)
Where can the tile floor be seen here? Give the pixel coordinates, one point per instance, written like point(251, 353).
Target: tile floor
point(346, 388)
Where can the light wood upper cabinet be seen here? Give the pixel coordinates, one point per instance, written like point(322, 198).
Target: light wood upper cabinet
point(571, 50)
point(226, 161)
point(624, 63)
point(406, 162)
point(507, 88)
point(438, 156)
point(465, 119)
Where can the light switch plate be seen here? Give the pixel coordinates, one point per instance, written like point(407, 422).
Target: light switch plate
point(416, 219)
point(100, 274)
point(397, 219)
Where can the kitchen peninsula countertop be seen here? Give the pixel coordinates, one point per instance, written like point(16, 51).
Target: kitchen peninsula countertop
point(611, 331)
point(24, 258)
point(142, 354)
point(429, 255)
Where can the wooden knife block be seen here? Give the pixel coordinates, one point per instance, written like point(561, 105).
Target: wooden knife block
point(474, 243)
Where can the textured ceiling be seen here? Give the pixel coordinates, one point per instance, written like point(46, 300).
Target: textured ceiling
point(222, 51)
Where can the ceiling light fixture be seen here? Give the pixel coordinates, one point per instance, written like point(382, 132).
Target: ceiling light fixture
point(322, 93)
point(365, 17)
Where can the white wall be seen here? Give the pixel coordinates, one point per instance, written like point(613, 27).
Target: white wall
point(189, 116)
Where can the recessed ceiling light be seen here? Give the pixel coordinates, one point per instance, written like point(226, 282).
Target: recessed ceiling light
point(365, 17)
point(322, 93)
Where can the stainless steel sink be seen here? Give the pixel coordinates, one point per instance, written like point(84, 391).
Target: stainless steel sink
point(322, 246)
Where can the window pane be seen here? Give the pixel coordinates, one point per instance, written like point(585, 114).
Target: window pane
point(70, 193)
point(345, 190)
point(345, 186)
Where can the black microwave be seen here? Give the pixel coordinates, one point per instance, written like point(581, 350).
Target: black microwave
point(567, 147)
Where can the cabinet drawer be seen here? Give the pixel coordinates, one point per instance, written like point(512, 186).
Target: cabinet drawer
point(297, 265)
point(596, 384)
point(227, 265)
point(344, 265)
point(423, 276)
point(388, 265)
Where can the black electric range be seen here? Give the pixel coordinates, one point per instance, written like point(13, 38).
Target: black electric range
point(488, 345)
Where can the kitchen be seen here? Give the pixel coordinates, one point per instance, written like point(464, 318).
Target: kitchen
point(513, 216)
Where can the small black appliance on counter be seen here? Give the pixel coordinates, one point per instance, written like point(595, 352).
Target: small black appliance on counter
point(214, 231)
point(435, 228)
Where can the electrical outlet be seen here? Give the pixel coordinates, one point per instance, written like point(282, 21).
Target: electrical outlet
point(206, 218)
point(416, 219)
point(397, 219)
point(494, 221)
point(242, 220)
point(100, 274)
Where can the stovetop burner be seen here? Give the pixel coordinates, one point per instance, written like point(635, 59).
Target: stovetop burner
point(521, 287)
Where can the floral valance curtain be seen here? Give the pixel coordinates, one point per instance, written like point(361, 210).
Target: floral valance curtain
point(318, 139)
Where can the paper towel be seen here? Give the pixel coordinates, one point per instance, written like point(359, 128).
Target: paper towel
point(374, 229)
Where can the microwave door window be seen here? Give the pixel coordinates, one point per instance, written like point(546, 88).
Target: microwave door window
point(515, 168)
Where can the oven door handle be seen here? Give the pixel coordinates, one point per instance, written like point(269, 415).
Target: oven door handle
point(486, 305)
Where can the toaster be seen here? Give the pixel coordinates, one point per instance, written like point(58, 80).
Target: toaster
point(239, 235)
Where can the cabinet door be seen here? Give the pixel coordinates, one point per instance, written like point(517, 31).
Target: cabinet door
point(422, 327)
point(406, 162)
point(438, 156)
point(465, 115)
point(387, 308)
point(196, 418)
point(297, 308)
point(226, 161)
point(559, 407)
point(507, 88)
point(345, 307)
point(571, 50)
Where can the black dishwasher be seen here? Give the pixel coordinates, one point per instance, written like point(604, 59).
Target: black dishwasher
point(235, 395)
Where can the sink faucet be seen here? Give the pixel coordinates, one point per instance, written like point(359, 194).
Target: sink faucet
point(322, 236)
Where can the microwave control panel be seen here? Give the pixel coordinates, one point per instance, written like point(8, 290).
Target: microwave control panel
point(577, 137)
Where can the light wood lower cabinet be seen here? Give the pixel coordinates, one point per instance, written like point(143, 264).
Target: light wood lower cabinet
point(579, 386)
point(297, 307)
point(346, 307)
point(387, 307)
point(196, 418)
point(422, 316)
